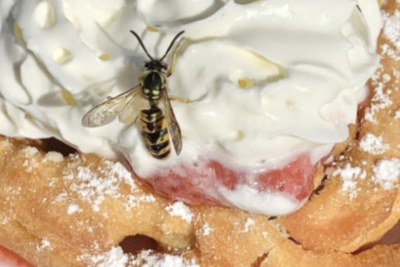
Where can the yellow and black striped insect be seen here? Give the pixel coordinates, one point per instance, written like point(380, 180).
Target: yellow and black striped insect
point(149, 101)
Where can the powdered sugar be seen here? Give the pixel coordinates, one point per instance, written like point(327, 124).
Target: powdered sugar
point(379, 101)
point(386, 173)
point(373, 144)
point(397, 115)
point(146, 259)
point(30, 164)
point(73, 208)
point(44, 245)
point(4, 220)
point(249, 222)
point(391, 28)
point(54, 157)
point(180, 209)
point(30, 151)
point(116, 258)
point(206, 229)
point(349, 177)
point(94, 186)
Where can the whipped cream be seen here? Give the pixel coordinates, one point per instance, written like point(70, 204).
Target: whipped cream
point(272, 79)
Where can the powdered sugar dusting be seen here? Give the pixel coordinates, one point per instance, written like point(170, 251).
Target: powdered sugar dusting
point(30, 151)
point(373, 144)
point(379, 101)
point(94, 186)
point(249, 222)
point(397, 115)
point(206, 229)
point(146, 259)
point(349, 177)
point(4, 221)
point(116, 258)
point(73, 208)
point(44, 245)
point(54, 157)
point(391, 28)
point(386, 173)
point(180, 209)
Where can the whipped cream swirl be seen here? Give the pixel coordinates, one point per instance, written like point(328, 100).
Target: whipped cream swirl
point(272, 79)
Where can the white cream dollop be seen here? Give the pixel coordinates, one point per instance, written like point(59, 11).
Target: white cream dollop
point(303, 64)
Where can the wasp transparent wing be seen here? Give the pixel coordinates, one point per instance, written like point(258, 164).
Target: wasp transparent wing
point(126, 105)
point(173, 126)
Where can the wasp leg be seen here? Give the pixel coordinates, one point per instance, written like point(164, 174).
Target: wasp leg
point(179, 99)
point(184, 100)
point(171, 69)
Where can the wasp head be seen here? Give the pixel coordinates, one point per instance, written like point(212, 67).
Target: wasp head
point(155, 65)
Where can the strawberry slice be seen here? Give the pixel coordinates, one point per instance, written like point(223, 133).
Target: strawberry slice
point(201, 183)
point(10, 259)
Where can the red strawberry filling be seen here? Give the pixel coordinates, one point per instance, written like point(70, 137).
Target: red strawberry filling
point(204, 183)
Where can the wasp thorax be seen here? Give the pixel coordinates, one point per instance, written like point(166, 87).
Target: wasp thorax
point(153, 81)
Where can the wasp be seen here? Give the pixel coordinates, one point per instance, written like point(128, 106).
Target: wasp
point(148, 100)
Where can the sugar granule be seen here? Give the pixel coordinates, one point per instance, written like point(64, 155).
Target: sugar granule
point(54, 157)
point(386, 173)
point(391, 28)
point(180, 209)
point(30, 151)
point(206, 229)
point(116, 258)
point(349, 177)
point(73, 208)
point(397, 115)
point(249, 222)
point(44, 245)
point(373, 144)
point(146, 259)
point(379, 101)
point(94, 186)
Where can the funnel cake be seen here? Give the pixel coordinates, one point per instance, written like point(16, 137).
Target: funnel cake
point(81, 222)
point(80, 210)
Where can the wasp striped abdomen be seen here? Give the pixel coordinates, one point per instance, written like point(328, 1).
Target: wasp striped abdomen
point(155, 132)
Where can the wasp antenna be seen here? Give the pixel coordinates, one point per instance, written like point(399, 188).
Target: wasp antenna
point(141, 44)
point(172, 43)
